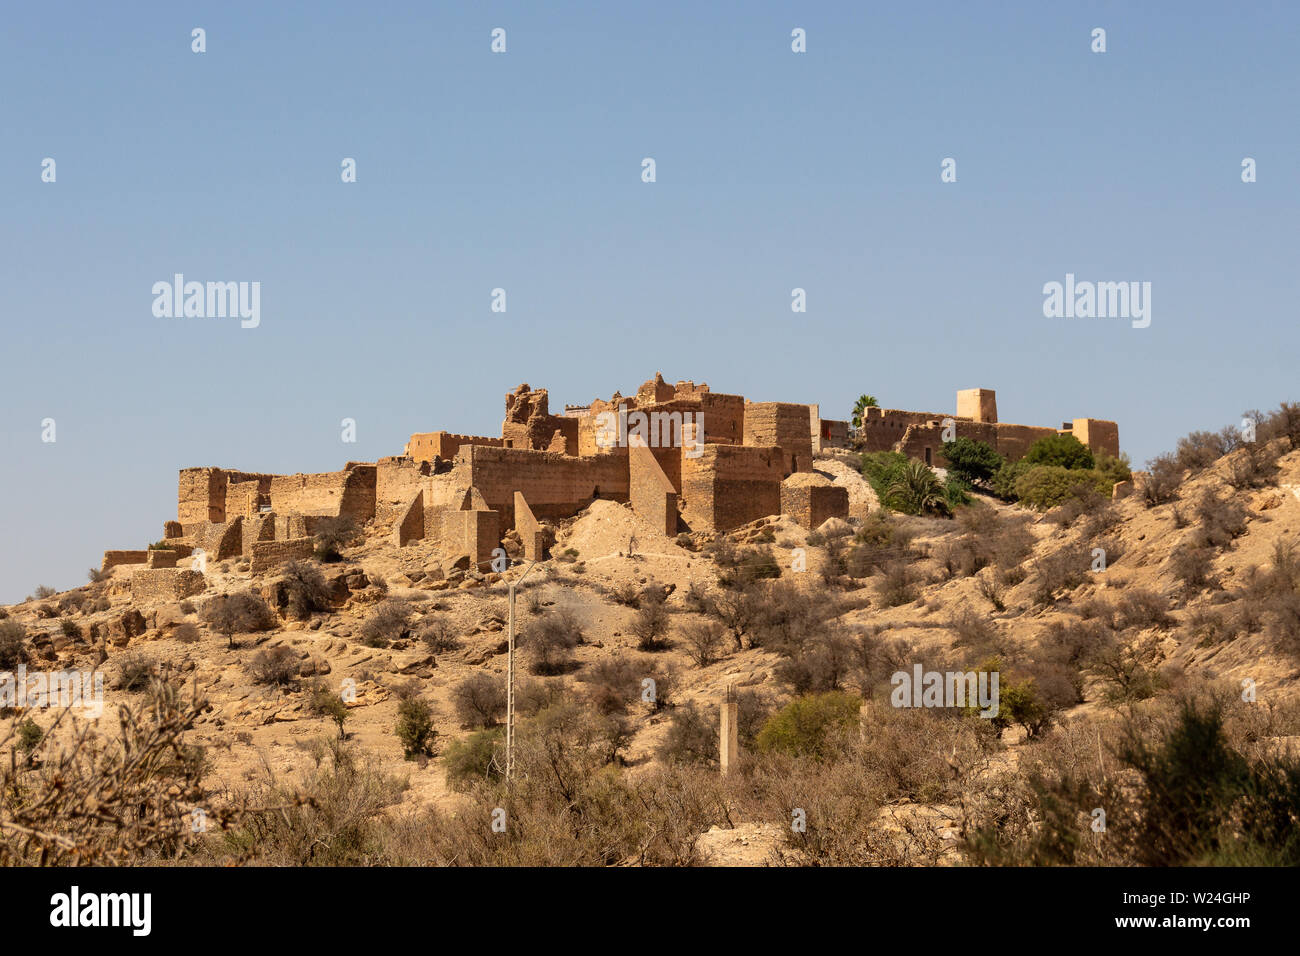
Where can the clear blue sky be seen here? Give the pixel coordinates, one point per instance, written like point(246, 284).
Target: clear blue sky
point(522, 171)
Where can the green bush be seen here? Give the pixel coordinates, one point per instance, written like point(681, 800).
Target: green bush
point(882, 469)
point(1064, 451)
point(1046, 486)
point(807, 726)
point(473, 759)
point(415, 727)
point(971, 461)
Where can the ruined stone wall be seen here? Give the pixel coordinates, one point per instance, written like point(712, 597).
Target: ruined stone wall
point(811, 499)
point(783, 424)
point(883, 428)
point(349, 493)
point(653, 496)
point(724, 418)
point(150, 585)
point(267, 554)
point(556, 486)
point(730, 485)
point(530, 531)
point(397, 480)
point(410, 525)
point(202, 493)
point(114, 558)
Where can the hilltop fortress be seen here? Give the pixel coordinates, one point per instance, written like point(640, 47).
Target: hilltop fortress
point(683, 457)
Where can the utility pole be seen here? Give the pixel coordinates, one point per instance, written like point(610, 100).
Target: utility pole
point(510, 681)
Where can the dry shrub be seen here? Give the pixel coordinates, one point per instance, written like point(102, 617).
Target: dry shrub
point(550, 640)
point(96, 799)
point(1142, 608)
point(239, 613)
point(1061, 570)
point(480, 700)
point(1163, 477)
point(388, 622)
point(274, 665)
point(704, 641)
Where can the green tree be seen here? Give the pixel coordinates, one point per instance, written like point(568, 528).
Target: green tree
point(973, 462)
point(1064, 451)
point(917, 490)
point(863, 402)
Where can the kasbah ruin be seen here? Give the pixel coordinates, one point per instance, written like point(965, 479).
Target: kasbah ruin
point(474, 497)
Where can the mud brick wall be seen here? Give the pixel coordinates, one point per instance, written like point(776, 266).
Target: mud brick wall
point(1012, 441)
point(783, 424)
point(231, 541)
point(730, 485)
point(425, 446)
point(724, 417)
point(1099, 435)
point(410, 525)
point(556, 486)
point(113, 558)
point(165, 584)
point(197, 496)
point(397, 481)
point(834, 434)
point(349, 493)
point(811, 503)
point(473, 533)
point(883, 428)
point(267, 554)
point(243, 498)
point(652, 495)
point(530, 532)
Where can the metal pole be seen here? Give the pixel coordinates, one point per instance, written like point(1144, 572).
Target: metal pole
point(510, 681)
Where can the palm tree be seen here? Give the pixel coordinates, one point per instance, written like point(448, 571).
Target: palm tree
point(864, 401)
point(917, 491)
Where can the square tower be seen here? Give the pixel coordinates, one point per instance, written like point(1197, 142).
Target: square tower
point(979, 404)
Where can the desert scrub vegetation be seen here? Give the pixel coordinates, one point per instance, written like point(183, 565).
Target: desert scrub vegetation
point(388, 622)
point(238, 613)
point(90, 797)
point(332, 816)
point(550, 640)
point(304, 589)
point(1177, 789)
point(480, 700)
point(332, 535)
